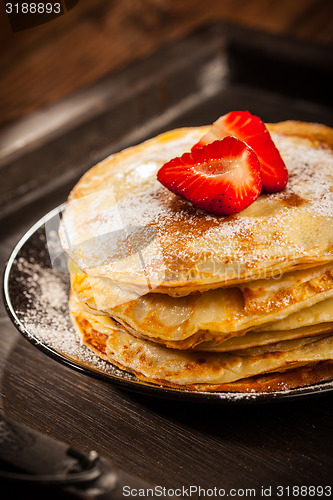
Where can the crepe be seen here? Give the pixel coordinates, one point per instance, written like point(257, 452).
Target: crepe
point(121, 224)
point(214, 315)
point(311, 357)
point(187, 299)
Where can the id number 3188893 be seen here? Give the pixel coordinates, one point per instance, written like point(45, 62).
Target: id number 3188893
point(303, 491)
point(33, 8)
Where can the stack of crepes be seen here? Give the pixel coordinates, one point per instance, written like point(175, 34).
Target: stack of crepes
point(183, 298)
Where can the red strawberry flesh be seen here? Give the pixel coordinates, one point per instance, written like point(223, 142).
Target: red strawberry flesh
point(252, 130)
point(222, 177)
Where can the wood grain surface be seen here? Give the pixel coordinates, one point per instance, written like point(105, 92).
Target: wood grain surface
point(168, 443)
point(43, 64)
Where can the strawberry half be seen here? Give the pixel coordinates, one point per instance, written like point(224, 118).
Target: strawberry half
point(252, 130)
point(222, 177)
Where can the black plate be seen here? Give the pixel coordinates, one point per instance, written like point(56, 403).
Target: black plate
point(36, 284)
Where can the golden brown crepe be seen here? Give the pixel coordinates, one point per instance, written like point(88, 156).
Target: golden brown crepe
point(205, 371)
point(214, 315)
point(121, 224)
point(183, 298)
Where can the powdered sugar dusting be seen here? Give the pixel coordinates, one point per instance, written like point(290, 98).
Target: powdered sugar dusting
point(271, 230)
point(310, 174)
point(45, 315)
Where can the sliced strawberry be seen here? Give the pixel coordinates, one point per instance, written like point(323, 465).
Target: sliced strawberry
point(252, 130)
point(222, 177)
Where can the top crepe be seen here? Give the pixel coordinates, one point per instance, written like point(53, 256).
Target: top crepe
point(121, 224)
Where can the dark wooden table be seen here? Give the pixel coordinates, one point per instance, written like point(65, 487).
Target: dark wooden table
point(168, 443)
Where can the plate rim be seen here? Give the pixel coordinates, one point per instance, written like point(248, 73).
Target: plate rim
point(138, 385)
